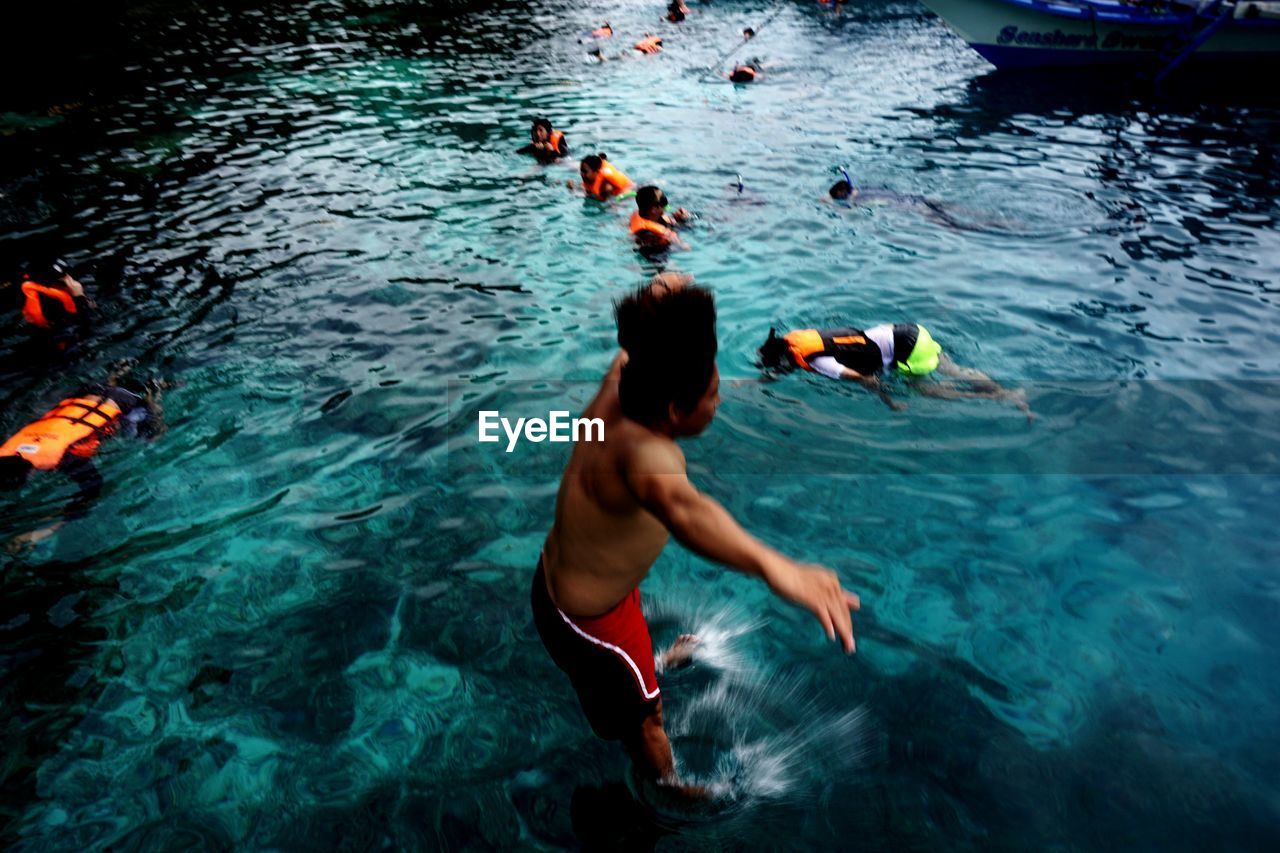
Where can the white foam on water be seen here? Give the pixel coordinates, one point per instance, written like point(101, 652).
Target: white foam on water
point(718, 633)
point(767, 745)
point(751, 736)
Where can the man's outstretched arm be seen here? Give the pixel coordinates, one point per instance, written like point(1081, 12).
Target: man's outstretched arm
point(702, 525)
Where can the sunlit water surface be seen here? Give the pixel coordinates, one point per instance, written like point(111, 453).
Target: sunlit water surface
point(301, 617)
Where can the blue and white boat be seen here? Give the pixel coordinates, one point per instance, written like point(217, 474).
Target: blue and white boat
point(1157, 35)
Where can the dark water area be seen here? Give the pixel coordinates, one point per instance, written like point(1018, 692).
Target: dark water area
point(299, 619)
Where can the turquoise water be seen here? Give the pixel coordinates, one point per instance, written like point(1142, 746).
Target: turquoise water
point(300, 619)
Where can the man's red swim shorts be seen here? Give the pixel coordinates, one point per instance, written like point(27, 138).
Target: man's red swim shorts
point(609, 660)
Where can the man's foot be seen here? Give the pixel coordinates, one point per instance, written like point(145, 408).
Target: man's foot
point(680, 653)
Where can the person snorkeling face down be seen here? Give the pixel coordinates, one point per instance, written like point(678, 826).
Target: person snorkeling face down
point(67, 437)
point(864, 356)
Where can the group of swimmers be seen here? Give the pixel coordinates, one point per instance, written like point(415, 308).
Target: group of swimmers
point(619, 501)
point(55, 313)
point(677, 11)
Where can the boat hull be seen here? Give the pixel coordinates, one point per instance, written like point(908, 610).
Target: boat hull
point(1032, 35)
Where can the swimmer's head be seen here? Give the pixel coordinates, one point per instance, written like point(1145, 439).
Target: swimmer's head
point(589, 166)
point(743, 74)
point(541, 130)
point(841, 190)
point(46, 272)
point(748, 33)
point(775, 355)
point(670, 382)
point(651, 201)
point(14, 471)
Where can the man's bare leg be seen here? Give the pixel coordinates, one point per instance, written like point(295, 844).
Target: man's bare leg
point(650, 750)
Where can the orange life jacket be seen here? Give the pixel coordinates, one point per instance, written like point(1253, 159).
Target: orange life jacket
point(651, 44)
point(555, 139)
point(807, 343)
point(75, 426)
point(639, 223)
point(33, 310)
point(614, 177)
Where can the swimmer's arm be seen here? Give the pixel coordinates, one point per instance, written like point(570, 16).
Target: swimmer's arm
point(828, 366)
point(656, 477)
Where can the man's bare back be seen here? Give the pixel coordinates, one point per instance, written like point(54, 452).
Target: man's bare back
point(603, 543)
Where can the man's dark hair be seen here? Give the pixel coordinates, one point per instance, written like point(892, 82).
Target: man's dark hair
point(595, 161)
point(650, 196)
point(742, 74)
point(543, 123)
point(841, 189)
point(670, 341)
point(14, 471)
point(775, 354)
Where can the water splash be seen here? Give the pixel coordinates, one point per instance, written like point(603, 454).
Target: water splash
point(749, 735)
point(719, 633)
point(748, 742)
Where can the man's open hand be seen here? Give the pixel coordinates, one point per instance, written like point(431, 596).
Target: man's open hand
point(817, 589)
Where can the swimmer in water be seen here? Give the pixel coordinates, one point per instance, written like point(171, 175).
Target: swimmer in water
point(601, 180)
point(748, 34)
point(865, 356)
point(677, 11)
point(649, 44)
point(653, 227)
point(66, 438)
point(54, 305)
point(619, 502)
point(548, 144)
point(844, 192)
point(748, 72)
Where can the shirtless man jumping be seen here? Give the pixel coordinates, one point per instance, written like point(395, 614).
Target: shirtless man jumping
point(622, 498)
